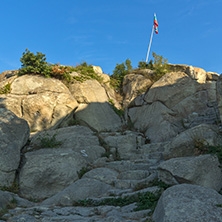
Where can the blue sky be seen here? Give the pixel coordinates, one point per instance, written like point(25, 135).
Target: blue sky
point(105, 33)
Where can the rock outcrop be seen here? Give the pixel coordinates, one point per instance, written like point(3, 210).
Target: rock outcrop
point(85, 161)
point(188, 203)
point(42, 102)
point(168, 105)
point(203, 170)
point(14, 134)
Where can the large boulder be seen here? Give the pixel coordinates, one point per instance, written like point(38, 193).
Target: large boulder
point(9, 199)
point(197, 73)
point(188, 203)
point(98, 116)
point(125, 145)
point(48, 171)
point(156, 120)
point(168, 104)
point(203, 170)
point(88, 91)
point(43, 102)
point(187, 142)
point(134, 85)
point(106, 175)
point(219, 95)
point(14, 134)
point(80, 139)
point(80, 190)
point(55, 158)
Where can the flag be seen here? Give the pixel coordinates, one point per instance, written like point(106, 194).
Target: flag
point(155, 24)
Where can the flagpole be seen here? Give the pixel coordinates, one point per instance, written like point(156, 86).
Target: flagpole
point(147, 56)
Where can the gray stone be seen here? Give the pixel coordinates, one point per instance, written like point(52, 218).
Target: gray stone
point(99, 116)
point(126, 144)
point(48, 171)
point(188, 203)
point(185, 143)
point(14, 134)
point(203, 170)
point(197, 74)
point(134, 85)
point(156, 120)
point(43, 102)
point(77, 138)
point(23, 218)
point(81, 189)
point(105, 175)
point(134, 174)
point(89, 91)
point(212, 76)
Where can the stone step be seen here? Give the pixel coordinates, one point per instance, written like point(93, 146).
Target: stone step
point(126, 165)
point(134, 184)
point(134, 175)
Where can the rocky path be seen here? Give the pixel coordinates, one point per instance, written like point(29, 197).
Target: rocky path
point(129, 179)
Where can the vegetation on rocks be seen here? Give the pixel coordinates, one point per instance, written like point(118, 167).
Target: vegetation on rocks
point(147, 200)
point(14, 188)
point(159, 66)
point(49, 142)
point(11, 205)
point(36, 64)
point(82, 171)
point(6, 89)
point(116, 79)
point(204, 148)
point(119, 112)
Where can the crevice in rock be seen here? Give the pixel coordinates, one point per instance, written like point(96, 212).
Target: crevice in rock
point(22, 108)
point(21, 162)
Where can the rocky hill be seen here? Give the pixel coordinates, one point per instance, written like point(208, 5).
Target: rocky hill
point(70, 153)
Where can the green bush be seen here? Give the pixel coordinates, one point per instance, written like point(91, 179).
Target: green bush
point(6, 89)
point(147, 200)
point(116, 79)
point(144, 65)
point(49, 141)
point(34, 64)
point(86, 71)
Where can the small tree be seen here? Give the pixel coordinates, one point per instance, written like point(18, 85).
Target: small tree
point(144, 65)
point(34, 64)
point(118, 74)
point(160, 64)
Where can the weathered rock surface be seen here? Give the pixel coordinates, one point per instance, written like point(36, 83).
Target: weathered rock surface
point(156, 120)
point(80, 190)
point(89, 91)
point(7, 77)
point(14, 134)
point(7, 198)
point(48, 171)
point(171, 119)
point(203, 170)
point(126, 144)
point(42, 102)
point(197, 74)
point(166, 108)
point(133, 85)
point(188, 203)
point(185, 143)
point(99, 116)
point(80, 139)
point(102, 174)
